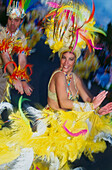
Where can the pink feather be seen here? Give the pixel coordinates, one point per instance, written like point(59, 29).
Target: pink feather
point(82, 132)
point(76, 40)
point(53, 4)
point(72, 19)
point(97, 48)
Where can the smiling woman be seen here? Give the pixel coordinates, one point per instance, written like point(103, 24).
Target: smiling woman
point(66, 128)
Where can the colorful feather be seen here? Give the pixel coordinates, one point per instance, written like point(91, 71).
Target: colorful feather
point(76, 40)
point(94, 29)
point(72, 25)
point(49, 15)
point(10, 2)
point(92, 14)
point(82, 132)
point(87, 42)
point(53, 4)
point(7, 3)
point(97, 48)
point(21, 112)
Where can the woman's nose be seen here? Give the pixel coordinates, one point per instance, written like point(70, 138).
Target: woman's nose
point(66, 61)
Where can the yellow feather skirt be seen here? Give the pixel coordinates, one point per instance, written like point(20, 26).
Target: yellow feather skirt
point(59, 138)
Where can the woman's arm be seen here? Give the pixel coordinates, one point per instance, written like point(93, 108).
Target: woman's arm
point(65, 103)
point(87, 97)
point(83, 92)
point(60, 84)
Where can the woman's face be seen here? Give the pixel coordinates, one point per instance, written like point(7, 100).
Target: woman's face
point(67, 62)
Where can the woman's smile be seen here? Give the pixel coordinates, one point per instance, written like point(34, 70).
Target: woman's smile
point(67, 62)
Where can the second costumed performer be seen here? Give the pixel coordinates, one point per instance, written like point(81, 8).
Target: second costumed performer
point(66, 128)
point(13, 41)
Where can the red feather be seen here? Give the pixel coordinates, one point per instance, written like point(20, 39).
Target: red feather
point(87, 42)
point(92, 13)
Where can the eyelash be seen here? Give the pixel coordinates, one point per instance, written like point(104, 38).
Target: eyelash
point(71, 59)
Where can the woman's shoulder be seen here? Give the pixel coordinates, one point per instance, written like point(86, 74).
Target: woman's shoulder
point(56, 77)
point(58, 73)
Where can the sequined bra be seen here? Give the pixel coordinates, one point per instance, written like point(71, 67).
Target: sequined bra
point(53, 96)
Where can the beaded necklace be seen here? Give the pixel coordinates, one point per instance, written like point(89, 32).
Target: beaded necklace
point(68, 79)
point(11, 34)
point(69, 93)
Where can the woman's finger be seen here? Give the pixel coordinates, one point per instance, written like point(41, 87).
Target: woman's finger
point(102, 97)
point(102, 93)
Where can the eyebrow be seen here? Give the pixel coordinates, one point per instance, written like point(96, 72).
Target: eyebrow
point(65, 56)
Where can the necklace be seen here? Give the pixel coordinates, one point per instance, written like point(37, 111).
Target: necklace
point(11, 34)
point(69, 93)
point(68, 78)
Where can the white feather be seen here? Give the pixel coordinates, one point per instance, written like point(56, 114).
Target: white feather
point(23, 162)
point(5, 105)
point(41, 128)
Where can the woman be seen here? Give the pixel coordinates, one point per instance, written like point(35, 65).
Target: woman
point(73, 127)
point(65, 87)
point(65, 128)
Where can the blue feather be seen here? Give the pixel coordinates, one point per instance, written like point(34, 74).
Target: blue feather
point(7, 3)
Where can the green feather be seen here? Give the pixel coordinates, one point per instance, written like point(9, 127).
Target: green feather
point(97, 30)
point(20, 109)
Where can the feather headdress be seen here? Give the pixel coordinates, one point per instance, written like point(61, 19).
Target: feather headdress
point(19, 8)
point(70, 25)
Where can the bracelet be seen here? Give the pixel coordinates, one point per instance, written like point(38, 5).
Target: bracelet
point(80, 106)
point(97, 109)
point(19, 73)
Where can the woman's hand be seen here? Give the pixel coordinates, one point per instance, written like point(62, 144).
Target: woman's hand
point(106, 109)
point(99, 99)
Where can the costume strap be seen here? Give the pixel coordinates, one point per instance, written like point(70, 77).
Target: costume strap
point(52, 76)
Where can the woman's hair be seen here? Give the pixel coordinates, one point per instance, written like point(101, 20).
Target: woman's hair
point(70, 53)
point(64, 49)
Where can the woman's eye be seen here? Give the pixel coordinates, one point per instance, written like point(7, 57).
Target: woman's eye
point(71, 59)
point(63, 57)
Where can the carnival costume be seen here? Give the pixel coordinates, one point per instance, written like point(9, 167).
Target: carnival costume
point(60, 136)
point(13, 43)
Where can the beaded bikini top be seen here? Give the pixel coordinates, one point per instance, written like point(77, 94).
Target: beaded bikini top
point(53, 96)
